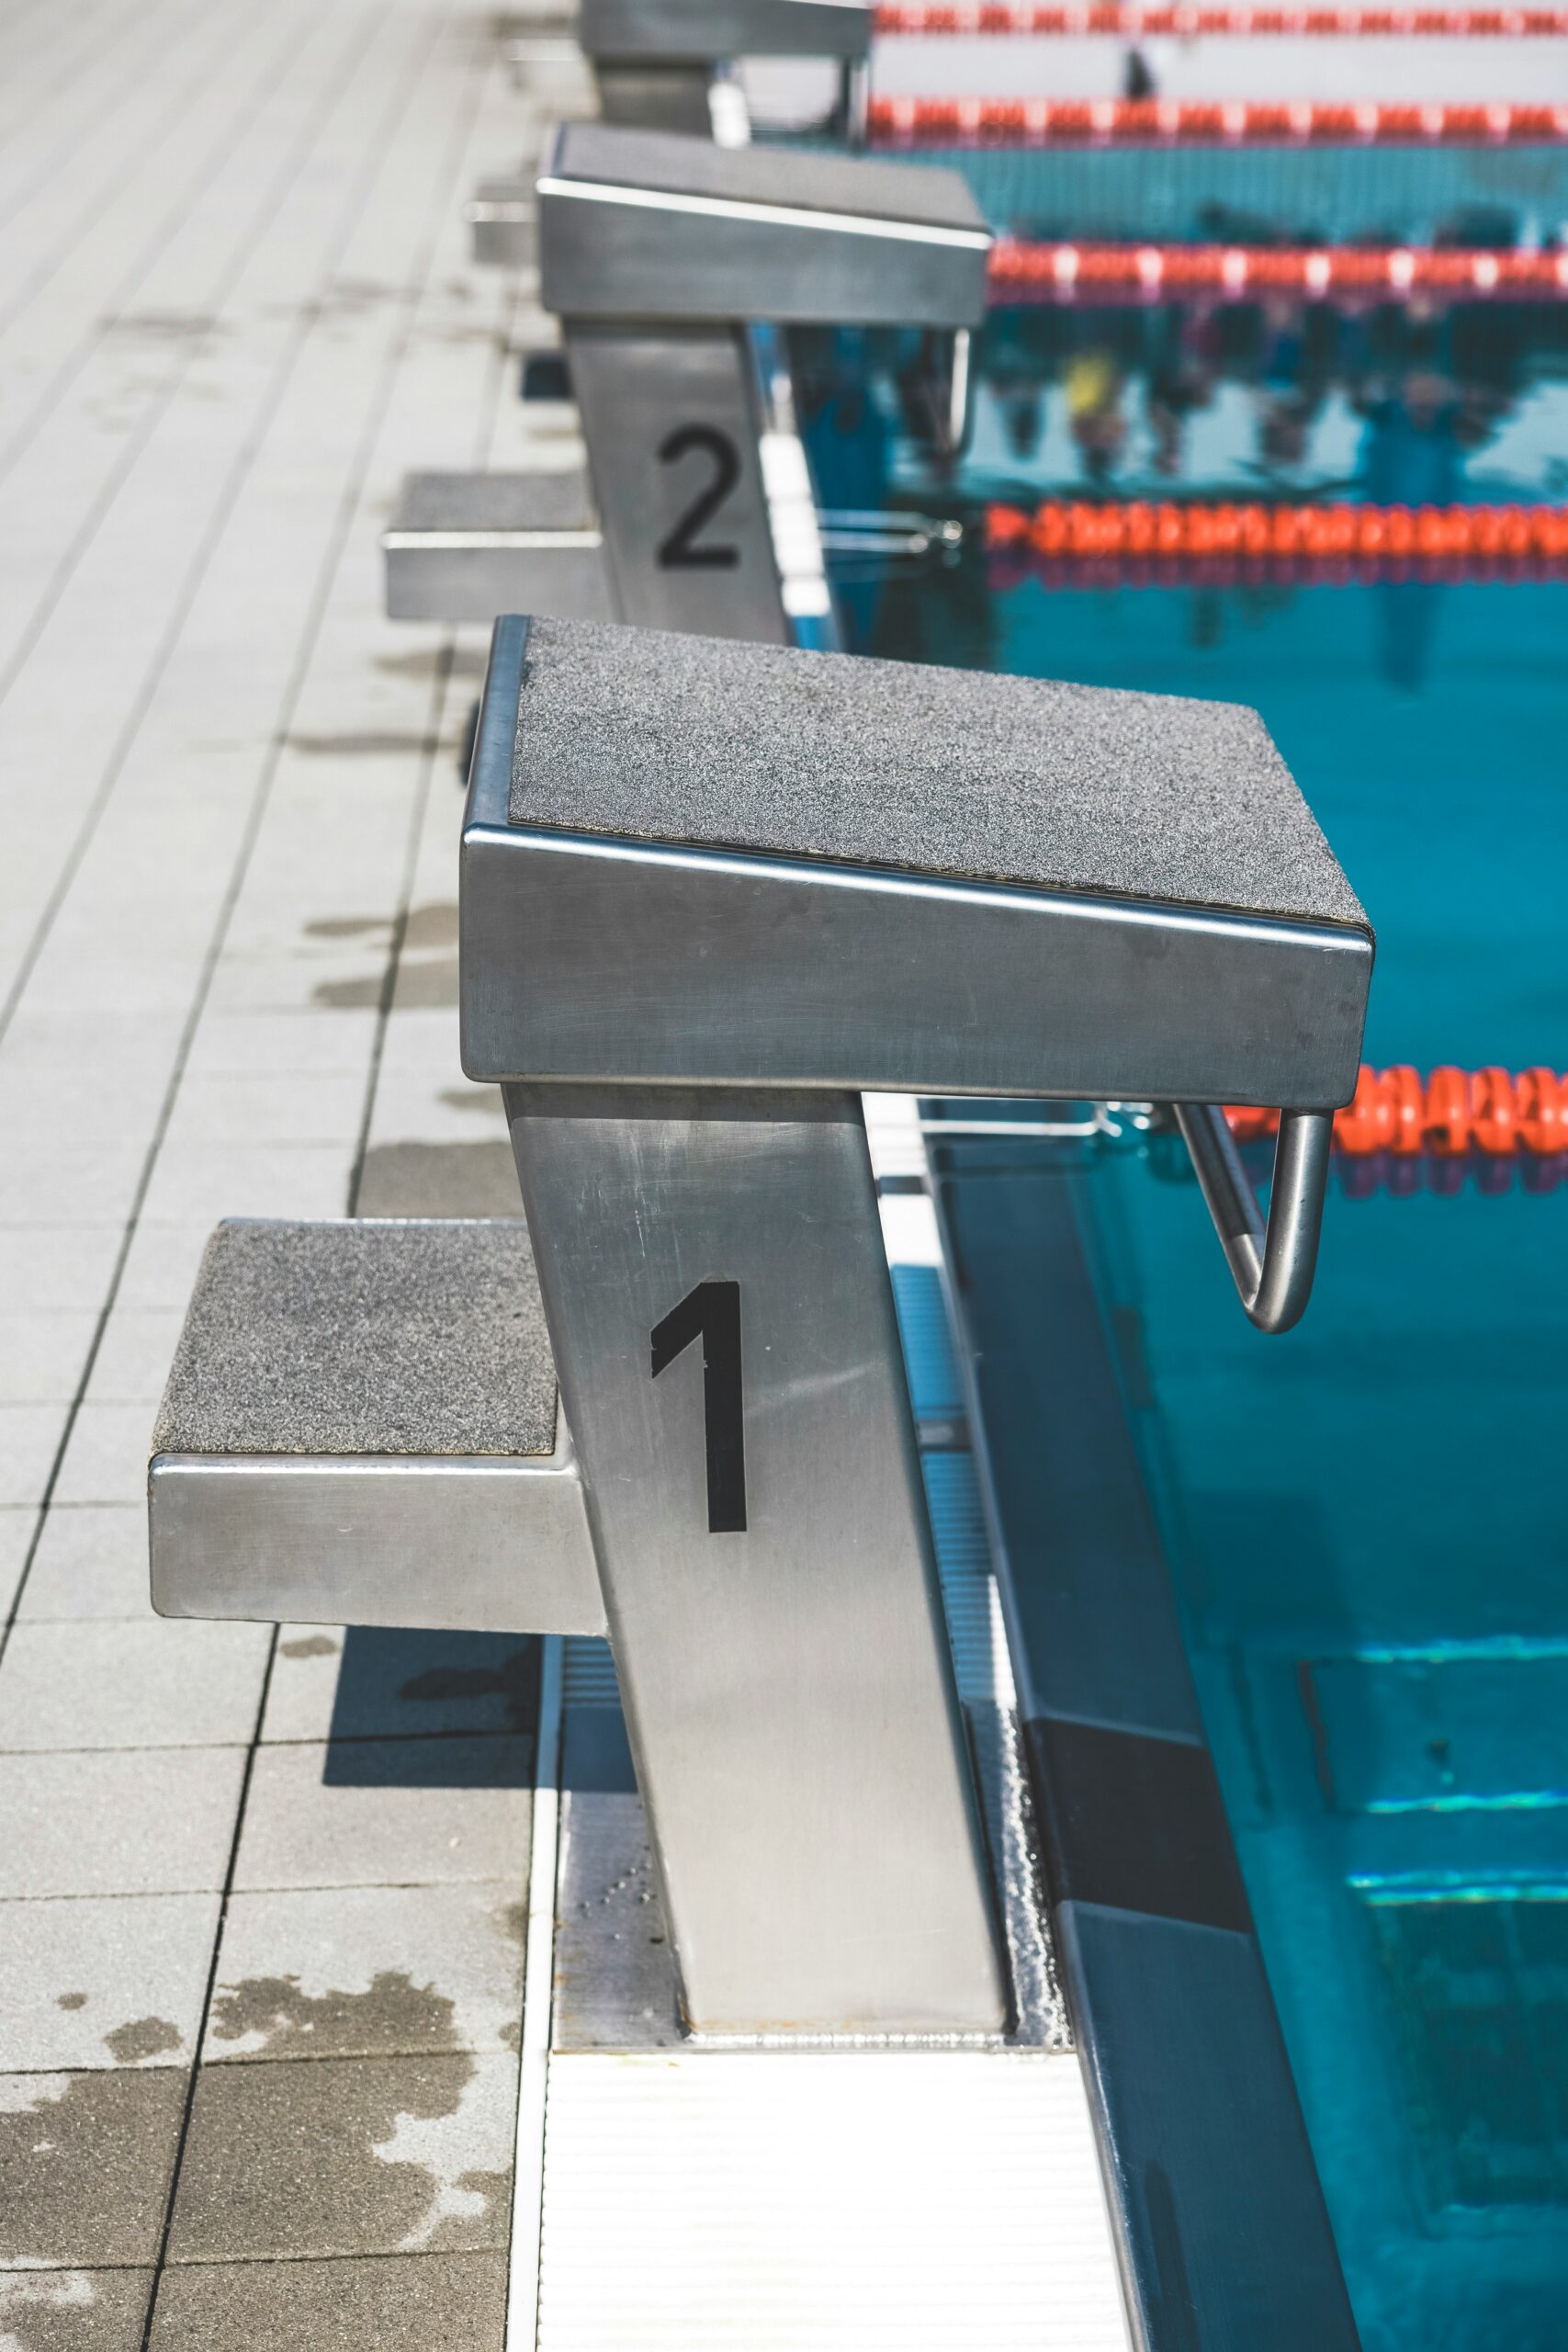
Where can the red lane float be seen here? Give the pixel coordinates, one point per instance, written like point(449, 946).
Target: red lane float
point(1448, 1115)
point(1089, 273)
point(1184, 24)
point(906, 123)
point(1101, 543)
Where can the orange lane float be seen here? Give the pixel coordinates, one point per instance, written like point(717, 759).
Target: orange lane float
point(1234, 122)
point(1081, 542)
point(1184, 24)
point(1021, 272)
point(1446, 1116)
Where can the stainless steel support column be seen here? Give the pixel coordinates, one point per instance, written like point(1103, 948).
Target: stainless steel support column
point(723, 1327)
point(655, 96)
point(671, 421)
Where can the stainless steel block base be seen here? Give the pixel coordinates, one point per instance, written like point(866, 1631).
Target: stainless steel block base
point(719, 1305)
point(655, 96)
point(673, 424)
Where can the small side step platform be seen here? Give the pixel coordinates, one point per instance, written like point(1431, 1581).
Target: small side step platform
point(502, 215)
point(362, 1426)
point(466, 547)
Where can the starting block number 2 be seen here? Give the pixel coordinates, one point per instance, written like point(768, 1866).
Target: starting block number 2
point(681, 550)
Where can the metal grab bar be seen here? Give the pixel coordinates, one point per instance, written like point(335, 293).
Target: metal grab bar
point(1273, 1264)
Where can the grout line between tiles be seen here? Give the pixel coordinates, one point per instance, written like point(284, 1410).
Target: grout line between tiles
point(210, 1990)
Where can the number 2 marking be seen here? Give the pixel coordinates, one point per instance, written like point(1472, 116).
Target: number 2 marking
point(680, 552)
point(712, 1313)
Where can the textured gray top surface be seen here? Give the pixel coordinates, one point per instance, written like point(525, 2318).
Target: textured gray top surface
point(363, 1338)
point(948, 772)
point(705, 29)
point(531, 501)
point(676, 166)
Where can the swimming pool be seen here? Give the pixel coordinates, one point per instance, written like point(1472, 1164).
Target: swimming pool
point(1364, 1521)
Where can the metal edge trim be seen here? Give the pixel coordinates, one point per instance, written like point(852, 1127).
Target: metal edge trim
point(482, 829)
point(386, 1468)
point(485, 838)
point(489, 771)
point(773, 215)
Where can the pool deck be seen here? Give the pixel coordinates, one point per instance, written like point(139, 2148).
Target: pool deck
point(235, 305)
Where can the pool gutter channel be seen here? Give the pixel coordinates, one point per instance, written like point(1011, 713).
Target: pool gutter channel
point(1221, 2229)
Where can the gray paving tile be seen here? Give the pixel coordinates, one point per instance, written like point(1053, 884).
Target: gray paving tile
point(67, 1049)
point(46, 1175)
point(16, 1525)
point(29, 1438)
point(348, 2155)
point(258, 1044)
point(277, 1107)
point(56, 1269)
point(415, 1812)
point(304, 1682)
point(84, 2166)
point(143, 1683)
point(350, 1972)
point(144, 1821)
point(431, 2302)
point(388, 1683)
point(474, 1177)
point(161, 1267)
point(74, 2311)
point(116, 1981)
point(211, 1181)
point(132, 1362)
point(106, 1461)
point(91, 1562)
point(42, 1356)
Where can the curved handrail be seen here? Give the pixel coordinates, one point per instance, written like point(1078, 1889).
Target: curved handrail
point(1274, 1263)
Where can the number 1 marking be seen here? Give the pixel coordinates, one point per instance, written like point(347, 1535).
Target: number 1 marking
point(712, 1313)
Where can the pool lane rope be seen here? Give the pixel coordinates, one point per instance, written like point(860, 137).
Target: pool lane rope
point(1147, 542)
point(1447, 1115)
point(1184, 24)
point(1021, 272)
point(908, 122)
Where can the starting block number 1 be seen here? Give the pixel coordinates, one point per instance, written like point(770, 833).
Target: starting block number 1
point(712, 1313)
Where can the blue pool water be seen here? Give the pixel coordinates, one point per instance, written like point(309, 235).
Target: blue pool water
point(1367, 1521)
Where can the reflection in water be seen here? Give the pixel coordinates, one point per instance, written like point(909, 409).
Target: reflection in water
point(1433, 385)
point(1406, 629)
point(1411, 403)
point(1093, 383)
